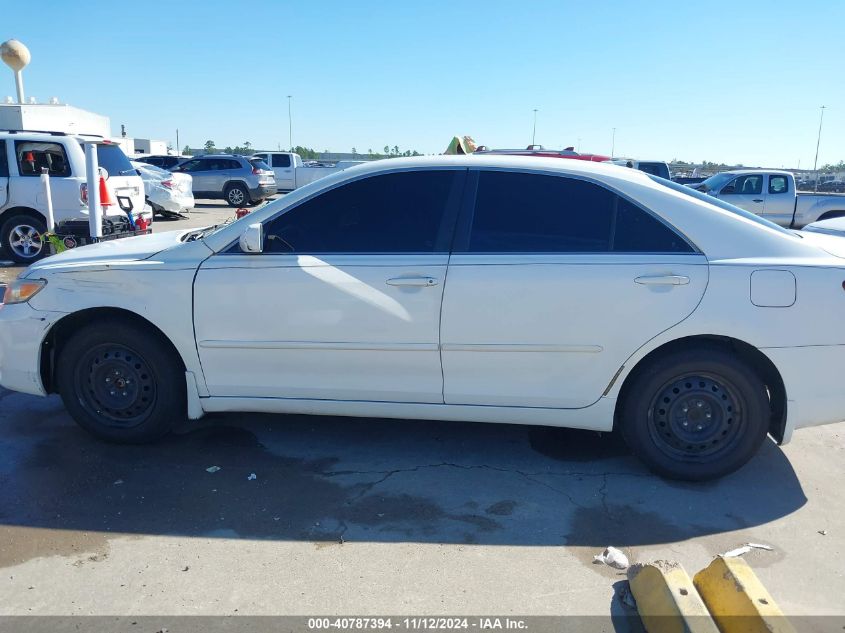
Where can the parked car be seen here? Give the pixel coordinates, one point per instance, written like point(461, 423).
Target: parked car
point(668, 314)
point(23, 205)
point(772, 195)
point(164, 161)
point(166, 193)
point(836, 186)
point(653, 167)
point(239, 180)
point(291, 172)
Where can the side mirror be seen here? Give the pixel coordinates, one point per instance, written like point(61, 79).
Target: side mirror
point(252, 239)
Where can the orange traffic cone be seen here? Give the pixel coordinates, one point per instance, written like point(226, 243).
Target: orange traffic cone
point(105, 194)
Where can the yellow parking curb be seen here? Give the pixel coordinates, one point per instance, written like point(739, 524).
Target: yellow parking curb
point(738, 600)
point(667, 600)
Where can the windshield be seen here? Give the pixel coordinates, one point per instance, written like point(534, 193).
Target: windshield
point(715, 182)
point(716, 202)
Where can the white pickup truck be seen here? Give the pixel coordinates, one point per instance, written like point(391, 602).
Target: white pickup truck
point(772, 195)
point(292, 173)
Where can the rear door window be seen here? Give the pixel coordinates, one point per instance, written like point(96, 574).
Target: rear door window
point(778, 184)
point(281, 160)
point(535, 213)
point(33, 156)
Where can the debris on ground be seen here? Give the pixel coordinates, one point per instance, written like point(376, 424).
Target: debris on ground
point(118, 482)
point(251, 477)
point(613, 558)
point(739, 551)
point(186, 568)
point(212, 469)
point(823, 532)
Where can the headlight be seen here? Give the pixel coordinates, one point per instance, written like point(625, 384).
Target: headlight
point(22, 290)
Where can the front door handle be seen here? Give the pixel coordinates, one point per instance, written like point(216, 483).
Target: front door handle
point(663, 280)
point(757, 200)
point(412, 281)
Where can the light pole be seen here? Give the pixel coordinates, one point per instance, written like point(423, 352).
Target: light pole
point(613, 144)
point(818, 141)
point(534, 132)
point(290, 125)
point(578, 147)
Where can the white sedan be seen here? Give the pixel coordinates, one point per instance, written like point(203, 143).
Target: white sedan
point(167, 193)
point(493, 289)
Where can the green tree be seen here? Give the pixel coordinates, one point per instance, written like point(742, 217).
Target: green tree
point(386, 150)
point(187, 150)
point(354, 152)
point(209, 146)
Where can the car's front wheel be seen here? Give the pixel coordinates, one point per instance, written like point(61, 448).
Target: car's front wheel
point(120, 382)
point(695, 414)
point(237, 196)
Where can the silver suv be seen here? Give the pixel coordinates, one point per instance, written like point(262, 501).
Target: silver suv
point(239, 180)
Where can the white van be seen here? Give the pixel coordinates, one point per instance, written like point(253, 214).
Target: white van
point(23, 206)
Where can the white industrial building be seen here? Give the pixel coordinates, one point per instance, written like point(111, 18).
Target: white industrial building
point(60, 117)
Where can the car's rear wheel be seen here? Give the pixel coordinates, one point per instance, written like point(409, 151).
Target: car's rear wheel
point(237, 196)
point(696, 414)
point(22, 237)
point(121, 383)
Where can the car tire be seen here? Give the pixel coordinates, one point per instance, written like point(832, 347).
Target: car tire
point(21, 238)
point(121, 383)
point(237, 195)
point(696, 414)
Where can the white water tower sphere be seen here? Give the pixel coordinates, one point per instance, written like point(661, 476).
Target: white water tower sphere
point(15, 55)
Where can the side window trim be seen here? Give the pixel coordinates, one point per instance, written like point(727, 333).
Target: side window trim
point(463, 227)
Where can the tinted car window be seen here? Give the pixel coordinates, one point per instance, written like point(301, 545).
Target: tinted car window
point(281, 160)
point(113, 160)
point(196, 165)
point(4, 161)
point(391, 213)
point(655, 169)
point(32, 157)
point(230, 164)
point(532, 213)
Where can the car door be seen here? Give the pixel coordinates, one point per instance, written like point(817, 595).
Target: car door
point(228, 169)
point(780, 199)
point(746, 192)
point(282, 167)
point(200, 170)
point(554, 282)
point(344, 301)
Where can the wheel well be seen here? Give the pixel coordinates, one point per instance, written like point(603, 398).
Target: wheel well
point(63, 329)
point(748, 353)
point(20, 211)
point(831, 214)
point(232, 183)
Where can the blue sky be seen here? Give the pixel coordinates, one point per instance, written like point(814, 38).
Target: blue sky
point(734, 82)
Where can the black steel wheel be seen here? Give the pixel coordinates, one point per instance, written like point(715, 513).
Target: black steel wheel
point(695, 414)
point(121, 381)
point(118, 385)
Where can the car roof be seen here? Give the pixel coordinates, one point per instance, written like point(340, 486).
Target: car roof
point(502, 161)
point(758, 170)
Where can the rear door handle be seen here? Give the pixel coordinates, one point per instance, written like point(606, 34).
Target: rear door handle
point(412, 281)
point(663, 280)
